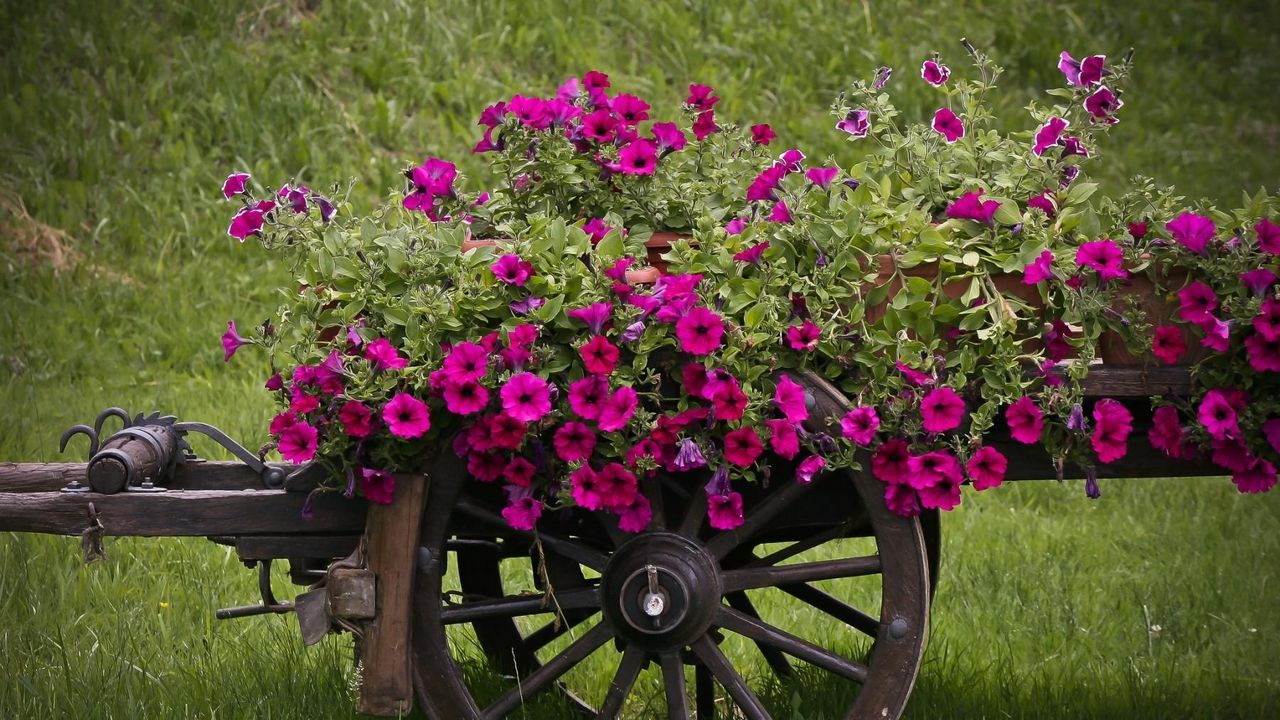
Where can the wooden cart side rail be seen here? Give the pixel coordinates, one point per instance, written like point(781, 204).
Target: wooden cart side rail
point(182, 513)
point(198, 475)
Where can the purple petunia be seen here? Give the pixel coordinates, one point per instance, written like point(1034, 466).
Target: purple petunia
point(1049, 134)
point(234, 184)
point(935, 73)
point(512, 270)
point(971, 206)
point(1040, 269)
point(1105, 257)
point(1102, 106)
point(857, 123)
point(948, 125)
point(1192, 231)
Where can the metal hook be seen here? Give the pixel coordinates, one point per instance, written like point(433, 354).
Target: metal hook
point(78, 429)
point(112, 412)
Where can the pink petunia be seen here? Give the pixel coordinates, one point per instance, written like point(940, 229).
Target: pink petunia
point(298, 442)
point(512, 270)
point(505, 432)
point(616, 486)
point(804, 337)
point(231, 341)
point(377, 486)
point(669, 137)
point(1025, 420)
point(780, 213)
point(588, 395)
point(406, 416)
point(1192, 231)
point(789, 398)
point(1264, 354)
point(636, 516)
point(1260, 476)
point(942, 495)
point(356, 418)
point(857, 123)
point(1258, 281)
point(704, 125)
point(574, 442)
point(1196, 301)
point(948, 125)
point(519, 472)
point(1112, 424)
point(1231, 455)
point(584, 486)
point(1046, 202)
point(274, 383)
point(384, 356)
point(522, 513)
point(526, 397)
point(599, 125)
point(1166, 433)
point(783, 439)
point(913, 376)
point(809, 468)
point(1167, 344)
point(971, 206)
point(860, 425)
point(728, 402)
point(282, 422)
point(934, 73)
point(1267, 321)
point(234, 184)
point(250, 220)
point(725, 511)
point(596, 316)
point(639, 157)
point(891, 462)
point(933, 468)
point(1268, 236)
point(1048, 134)
point(465, 397)
point(466, 361)
point(821, 176)
point(1217, 333)
point(987, 467)
point(618, 409)
point(1104, 256)
point(902, 500)
point(752, 254)
point(1218, 415)
point(1102, 105)
point(742, 447)
point(599, 356)
point(942, 410)
point(701, 97)
point(762, 134)
point(700, 331)
point(1040, 269)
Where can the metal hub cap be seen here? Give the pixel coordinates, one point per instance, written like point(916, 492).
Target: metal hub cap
point(661, 590)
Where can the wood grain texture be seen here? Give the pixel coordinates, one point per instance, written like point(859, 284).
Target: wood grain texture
point(199, 475)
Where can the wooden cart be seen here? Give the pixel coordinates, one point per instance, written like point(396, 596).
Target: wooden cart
point(668, 596)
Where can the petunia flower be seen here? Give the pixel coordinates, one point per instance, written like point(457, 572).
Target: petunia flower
point(273, 383)
point(689, 457)
point(294, 197)
point(617, 486)
point(1196, 301)
point(764, 185)
point(1091, 489)
point(809, 468)
point(942, 410)
point(636, 516)
point(1259, 281)
point(406, 416)
point(584, 487)
point(1231, 454)
point(250, 220)
point(1045, 201)
point(465, 397)
point(377, 486)
point(599, 125)
point(860, 425)
point(522, 513)
point(599, 356)
point(762, 134)
point(857, 123)
point(1268, 236)
point(504, 432)
point(574, 442)
point(783, 439)
point(1218, 416)
point(617, 409)
point(704, 125)
point(882, 77)
point(466, 361)
point(942, 476)
point(283, 421)
point(640, 157)
point(891, 462)
point(700, 331)
point(486, 466)
point(532, 112)
point(1102, 105)
point(1040, 269)
point(728, 402)
point(725, 511)
point(234, 184)
point(519, 472)
point(1048, 134)
point(789, 398)
point(595, 316)
point(1083, 73)
point(948, 125)
point(1217, 333)
point(1166, 433)
point(780, 213)
point(1104, 256)
point(1112, 424)
point(1025, 420)
point(633, 332)
point(1072, 145)
point(1192, 231)
point(1167, 344)
point(1259, 477)
point(742, 447)
point(512, 270)
point(231, 341)
point(804, 337)
point(1264, 354)
point(588, 395)
point(752, 254)
point(935, 73)
point(701, 98)
point(527, 305)
point(356, 418)
point(902, 500)
point(384, 356)
point(822, 176)
point(669, 137)
point(526, 397)
point(736, 226)
point(971, 206)
point(913, 376)
point(298, 442)
point(986, 467)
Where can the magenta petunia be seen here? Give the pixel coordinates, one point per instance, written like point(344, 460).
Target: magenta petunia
point(792, 160)
point(944, 493)
point(902, 500)
point(1196, 301)
point(1166, 433)
point(588, 395)
point(1167, 344)
point(883, 73)
point(1072, 145)
point(298, 442)
point(742, 447)
point(821, 176)
point(728, 402)
point(283, 421)
point(599, 125)
point(942, 410)
point(303, 402)
point(234, 184)
point(932, 468)
point(617, 486)
point(986, 467)
point(736, 226)
point(1267, 321)
point(1040, 269)
point(700, 331)
point(465, 397)
point(466, 361)
point(780, 213)
point(617, 409)
point(752, 254)
point(595, 316)
point(764, 185)
point(1192, 231)
point(1104, 256)
point(724, 511)
point(860, 425)
point(1049, 134)
point(636, 516)
point(689, 456)
point(512, 270)
point(789, 398)
point(891, 462)
point(704, 125)
point(584, 484)
point(295, 197)
point(913, 376)
point(519, 472)
point(1137, 229)
point(377, 486)
point(971, 206)
point(639, 157)
point(857, 123)
point(526, 397)
point(1112, 423)
point(1025, 420)
point(505, 432)
point(762, 134)
point(599, 356)
point(1268, 236)
point(1259, 477)
point(1258, 281)
point(809, 468)
point(948, 125)
point(384, 356)
point(804, 337)
point(356, 418)
point(1231, 455)
point(1102, 106)
point(522, 513)
point(783, 439)
point(273, 383)
point(1045, 202)
point(1084, 73)
point(532, 112)
point(1264, 354)
point(596, 228)
point(1217, 333)
point(250, 220)
point(935, 73)
point(701, 97)
point(406, 416)
point(231, 341)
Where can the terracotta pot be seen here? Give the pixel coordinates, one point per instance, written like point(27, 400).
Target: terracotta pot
point(1157, 310)
point(658, 244)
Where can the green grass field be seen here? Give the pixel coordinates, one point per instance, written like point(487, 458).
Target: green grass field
point(119, 120)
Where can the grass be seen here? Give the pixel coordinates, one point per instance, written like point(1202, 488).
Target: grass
point(118, 121)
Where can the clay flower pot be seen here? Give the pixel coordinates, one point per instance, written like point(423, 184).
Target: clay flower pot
point(1157, 310)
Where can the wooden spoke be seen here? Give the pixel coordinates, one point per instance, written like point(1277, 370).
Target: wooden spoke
point(763, 632)
point(652, 488)
point(777, 661)
point(539, 638)
point(749, 578)
point(515, 606)
point(673, 685)
point(694, 514)
point(758, 518)
point(719, 665)
point(633, 661)
point(795, 548)
point(568, 548)
point(550, 671)
point(834, 607)
point(704, 689)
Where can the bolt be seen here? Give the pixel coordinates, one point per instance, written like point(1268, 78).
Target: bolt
point(898, 628)
point(654, 605)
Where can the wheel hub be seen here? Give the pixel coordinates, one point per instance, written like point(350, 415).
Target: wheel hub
point(661, 590)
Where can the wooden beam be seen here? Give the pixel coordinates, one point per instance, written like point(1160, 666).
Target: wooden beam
point(1137, 381)
point(181, 513)
point(198, 475)
point(273, 547)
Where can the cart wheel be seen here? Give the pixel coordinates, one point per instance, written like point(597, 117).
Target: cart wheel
point(677, 594)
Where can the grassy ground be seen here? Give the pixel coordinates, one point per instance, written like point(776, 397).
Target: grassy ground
point(118, 120)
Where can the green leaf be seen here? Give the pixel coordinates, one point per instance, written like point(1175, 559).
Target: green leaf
point(611, 247)
point(754, 316)
point(1008, 214)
